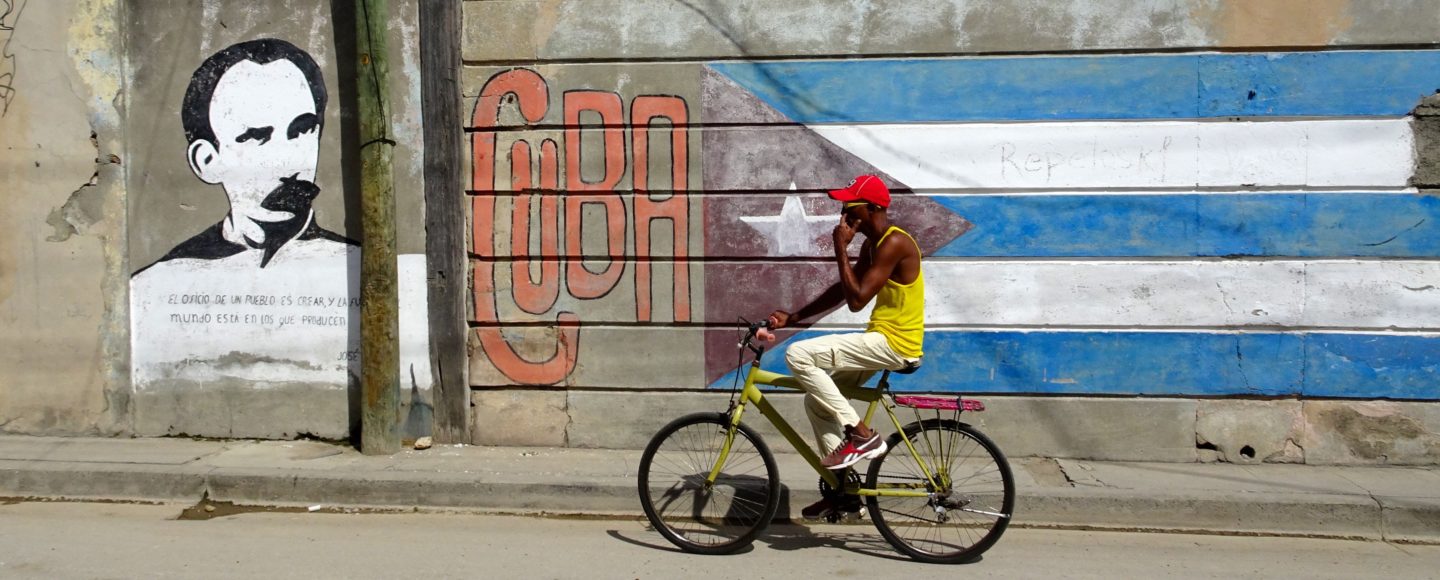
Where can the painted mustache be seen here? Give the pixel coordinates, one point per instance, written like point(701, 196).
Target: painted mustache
point(293, 195)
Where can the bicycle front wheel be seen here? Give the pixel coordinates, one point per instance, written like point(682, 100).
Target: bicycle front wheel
point(965, 509)
point(690, 510)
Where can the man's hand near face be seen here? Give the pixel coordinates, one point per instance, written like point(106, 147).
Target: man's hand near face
point(843, 234)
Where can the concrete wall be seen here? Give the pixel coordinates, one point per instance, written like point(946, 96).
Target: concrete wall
point(244, 248)
point(1166, 230)
point(63, 346)
point(1110, 206)
point(155, 278)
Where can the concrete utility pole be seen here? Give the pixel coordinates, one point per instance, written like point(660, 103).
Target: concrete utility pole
point(379, 301)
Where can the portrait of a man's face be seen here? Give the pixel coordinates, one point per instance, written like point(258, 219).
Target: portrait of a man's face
point(241, 302)
point(253, 114)
point(264, 139)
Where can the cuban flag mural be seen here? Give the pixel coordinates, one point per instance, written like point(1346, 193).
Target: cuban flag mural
point(1182, 225)
point(1218, 224)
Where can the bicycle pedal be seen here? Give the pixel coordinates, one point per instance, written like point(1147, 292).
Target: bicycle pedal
point(842, 516)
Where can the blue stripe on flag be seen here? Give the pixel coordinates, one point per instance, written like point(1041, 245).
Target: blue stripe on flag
point(1289, 225)
point(1322, 84)
point(1372, 366)
point(1169, 363)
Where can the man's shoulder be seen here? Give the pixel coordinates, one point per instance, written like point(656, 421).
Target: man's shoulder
point(896, 238)
point(317, 233)
point(209, 244)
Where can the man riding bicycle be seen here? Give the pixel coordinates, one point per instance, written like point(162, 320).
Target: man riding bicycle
point(888, 271)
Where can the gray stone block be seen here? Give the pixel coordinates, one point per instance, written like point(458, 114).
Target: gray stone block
point(518, 417)
point(1251, 431)
point(1372, 432)
point(234, 409)
point(1089, 428)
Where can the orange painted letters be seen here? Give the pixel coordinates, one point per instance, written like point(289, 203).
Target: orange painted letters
point(536, 178)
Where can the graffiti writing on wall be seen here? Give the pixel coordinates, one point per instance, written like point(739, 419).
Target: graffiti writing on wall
point(9, 17)
point(551, 173)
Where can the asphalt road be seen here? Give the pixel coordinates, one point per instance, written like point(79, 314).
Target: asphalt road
point(92, 540)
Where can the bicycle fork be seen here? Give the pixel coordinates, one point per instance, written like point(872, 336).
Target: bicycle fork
point(736, 410)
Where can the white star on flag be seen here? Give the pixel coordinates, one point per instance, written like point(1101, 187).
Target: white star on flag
point(792, 233)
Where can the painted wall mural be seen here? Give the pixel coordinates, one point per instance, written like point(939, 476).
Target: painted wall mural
point(265, 297)
point(1177, 224)
point(587, 272)
point(252, 117)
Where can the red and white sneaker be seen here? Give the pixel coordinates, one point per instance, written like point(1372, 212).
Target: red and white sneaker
point(854, 449)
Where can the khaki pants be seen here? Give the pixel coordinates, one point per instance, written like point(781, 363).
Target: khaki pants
point(819, 364)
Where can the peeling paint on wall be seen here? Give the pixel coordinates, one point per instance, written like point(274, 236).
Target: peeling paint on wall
point(1372, 432)
point(1243, 23)
point(66, 350)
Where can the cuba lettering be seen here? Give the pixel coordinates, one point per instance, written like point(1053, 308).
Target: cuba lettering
point(527, 93)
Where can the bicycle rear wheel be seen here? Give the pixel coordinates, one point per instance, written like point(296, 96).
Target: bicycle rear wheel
point(693, 513)
point(968, 508)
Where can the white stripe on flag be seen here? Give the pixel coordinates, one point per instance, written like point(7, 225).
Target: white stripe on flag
point(1166, 154)
point(1350, 294)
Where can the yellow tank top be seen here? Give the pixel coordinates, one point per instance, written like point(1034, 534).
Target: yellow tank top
point(899, 312)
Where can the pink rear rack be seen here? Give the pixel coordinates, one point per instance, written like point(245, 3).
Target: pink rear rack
point(941, 403)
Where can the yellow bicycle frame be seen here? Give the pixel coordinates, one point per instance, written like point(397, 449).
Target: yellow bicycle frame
point(873, 396)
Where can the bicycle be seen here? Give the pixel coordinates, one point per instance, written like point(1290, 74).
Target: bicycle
point(709, 484)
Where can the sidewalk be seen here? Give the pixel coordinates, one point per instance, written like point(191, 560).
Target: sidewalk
point(1391, 503)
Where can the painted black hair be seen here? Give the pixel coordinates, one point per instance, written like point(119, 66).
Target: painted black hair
point(195, 111)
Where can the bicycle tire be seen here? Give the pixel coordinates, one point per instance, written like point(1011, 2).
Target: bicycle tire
point(968, 522)
point(702, 518)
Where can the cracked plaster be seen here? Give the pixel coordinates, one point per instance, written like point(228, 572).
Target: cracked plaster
point(62, 287)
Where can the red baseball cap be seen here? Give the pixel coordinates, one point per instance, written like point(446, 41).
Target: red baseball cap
point(866, 188)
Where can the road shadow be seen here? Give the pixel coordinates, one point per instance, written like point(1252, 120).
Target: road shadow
point(860, 538)
point(660, 543)
point(786, 536)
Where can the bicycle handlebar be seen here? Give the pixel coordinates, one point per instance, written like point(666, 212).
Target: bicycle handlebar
point(760, 330)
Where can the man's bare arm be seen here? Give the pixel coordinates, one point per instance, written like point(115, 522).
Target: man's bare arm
point(861, 286)
point(830, 298)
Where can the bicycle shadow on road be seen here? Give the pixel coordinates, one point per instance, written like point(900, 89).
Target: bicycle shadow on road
point(787, 536)
point(854, 538)
point(784, 537)
point(660, 545)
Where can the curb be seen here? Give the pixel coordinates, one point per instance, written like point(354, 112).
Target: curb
point(1261, 514)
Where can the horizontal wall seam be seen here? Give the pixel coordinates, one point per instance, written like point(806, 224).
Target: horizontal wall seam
point(949, 192)
point(946, 55)
point(725, 391)
point(937, 327)
point(1137, 260)
point(506, 129)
